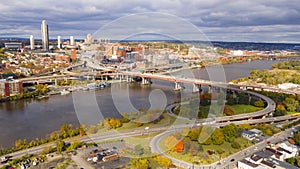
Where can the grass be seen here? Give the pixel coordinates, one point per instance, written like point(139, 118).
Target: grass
point(243, 108)
point(143, 140)
point(207, 159)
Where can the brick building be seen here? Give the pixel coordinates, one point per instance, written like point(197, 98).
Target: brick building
point(10, 87)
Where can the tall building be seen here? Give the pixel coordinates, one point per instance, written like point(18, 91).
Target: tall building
point(32, 47)
point(72, 41)
point(59, 42)
point(88, 39)
point(45, 35)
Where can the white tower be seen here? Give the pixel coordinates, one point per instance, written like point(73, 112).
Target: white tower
point(32, 47)
point(59, 42)
point(45, 35)
point(72, 41)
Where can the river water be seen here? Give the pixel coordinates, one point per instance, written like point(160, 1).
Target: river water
point(38, 118)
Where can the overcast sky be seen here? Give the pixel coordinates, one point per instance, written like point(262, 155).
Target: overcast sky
point(224, 20)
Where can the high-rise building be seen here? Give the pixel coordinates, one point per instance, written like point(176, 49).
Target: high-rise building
point(59, 42)
point(72, 41)
point(88, 39)
point(45, 35)
point(32, 42)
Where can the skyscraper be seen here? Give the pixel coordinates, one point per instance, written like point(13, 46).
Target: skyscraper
point(72, 41)
point(32, 42)
point(59, 42)
point(45, 35)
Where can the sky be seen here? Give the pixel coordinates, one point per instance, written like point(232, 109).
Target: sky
point(215, 20)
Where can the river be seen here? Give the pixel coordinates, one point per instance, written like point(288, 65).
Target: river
point(38, 118)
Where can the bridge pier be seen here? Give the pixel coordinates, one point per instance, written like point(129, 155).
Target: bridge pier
point(209, 89)
point(145, 81)
point(196, 88)
point(177, 86)
point(129, 78)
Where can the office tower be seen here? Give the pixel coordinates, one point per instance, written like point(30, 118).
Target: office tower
point(45, 35)
point(32, 42)
point(72, 41)
point(89, 39)
point(59, 42)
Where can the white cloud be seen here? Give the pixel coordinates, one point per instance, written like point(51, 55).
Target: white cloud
point(247, 20)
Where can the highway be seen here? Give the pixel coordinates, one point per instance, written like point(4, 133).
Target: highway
point(224, 163)
point(129, 133)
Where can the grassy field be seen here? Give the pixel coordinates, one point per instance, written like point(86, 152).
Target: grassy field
point(203, 157)
point(242, 108)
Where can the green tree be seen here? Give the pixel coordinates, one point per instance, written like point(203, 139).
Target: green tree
point(259, 103)
point(291, 104)
point(60, 146)
point(235, 145)
point(297, 138)
point(230, 132)
point(193, 134)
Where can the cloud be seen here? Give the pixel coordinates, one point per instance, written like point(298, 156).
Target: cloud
point(219, 19)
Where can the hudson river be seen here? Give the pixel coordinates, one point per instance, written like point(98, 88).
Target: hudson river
point(38, 118)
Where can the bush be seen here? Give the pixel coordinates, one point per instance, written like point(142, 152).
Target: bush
point(235, 145)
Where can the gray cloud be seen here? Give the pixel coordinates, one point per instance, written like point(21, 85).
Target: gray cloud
point(239, 20)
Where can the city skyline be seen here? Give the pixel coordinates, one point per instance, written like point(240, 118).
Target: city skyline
point(255, 21)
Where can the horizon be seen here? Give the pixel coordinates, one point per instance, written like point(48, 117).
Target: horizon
point(152, 40)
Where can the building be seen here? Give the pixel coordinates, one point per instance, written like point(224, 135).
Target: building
point(251, 134)
point(88, 39)
point(13, 45)
point(45, 35)
point(32, 46)
point(10, 87)
point(73, 54)
point(59, 42)
point(72, 41)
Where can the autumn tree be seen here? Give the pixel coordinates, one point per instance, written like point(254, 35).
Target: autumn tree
point(229, 111)
point(139, 163)
point(217, 137)
point(179, 146)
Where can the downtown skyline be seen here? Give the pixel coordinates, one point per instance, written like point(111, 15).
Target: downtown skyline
point(255, 21)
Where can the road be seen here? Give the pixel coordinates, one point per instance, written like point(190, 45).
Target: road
point(226, 162)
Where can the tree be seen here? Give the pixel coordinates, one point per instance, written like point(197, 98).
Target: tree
point(291, 104)
point(163, 161)
point(259, 103)
point(193, 134)
point(230, 132)
point(217, 137)
point(297, 138)
point(139, 163)
point(60, 146)
point(235, 145)
point(280, 110)
point(229, 111)
point(92, 129)
point(179, 146)
point(138, 123)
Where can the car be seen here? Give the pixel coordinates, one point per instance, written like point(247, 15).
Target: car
point(232, 160)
